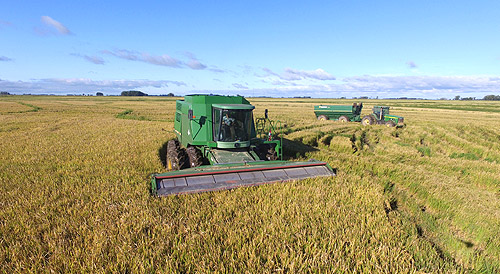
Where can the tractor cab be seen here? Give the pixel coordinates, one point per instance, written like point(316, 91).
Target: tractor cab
point(380, 112)
point(232, 125)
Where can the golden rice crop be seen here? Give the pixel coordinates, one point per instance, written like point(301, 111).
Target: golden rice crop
point(74, 178)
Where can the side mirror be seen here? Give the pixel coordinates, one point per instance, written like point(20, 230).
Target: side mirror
point(265, 113)
point(190, 114)
point(203, 119)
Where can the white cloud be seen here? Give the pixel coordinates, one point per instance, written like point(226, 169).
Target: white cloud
point(160, 60)
point(216, 69)
point(317, 74)
point(5, 24)
point(422, 84)
point(195, 64)
point(290, 74)
point(239, 86)
point(94, 59)
point(366, 85)
point(81, 85)
point(269, 72)
point(385, 87)
point(411, 64)
point(60, 28)
point(5, 59)
point(91, 58)
point(124, 54)
point(415, 86)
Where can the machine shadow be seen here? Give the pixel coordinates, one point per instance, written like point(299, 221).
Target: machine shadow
point(162, 153)
point(291, 150)
point(295, 149)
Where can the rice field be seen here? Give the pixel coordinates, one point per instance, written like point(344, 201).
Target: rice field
point(75, 192)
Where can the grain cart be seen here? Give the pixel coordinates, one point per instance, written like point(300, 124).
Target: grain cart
point(341, 113)
point(381, 116)
point(219, 146)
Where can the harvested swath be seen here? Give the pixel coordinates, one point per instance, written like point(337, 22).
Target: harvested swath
point(74, 193)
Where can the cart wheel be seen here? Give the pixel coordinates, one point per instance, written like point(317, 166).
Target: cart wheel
point(344, 119)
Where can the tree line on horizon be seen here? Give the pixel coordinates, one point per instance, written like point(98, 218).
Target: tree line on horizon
point(140, 93)
point(485, 98)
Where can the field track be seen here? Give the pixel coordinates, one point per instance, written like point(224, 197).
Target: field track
point(74, 192)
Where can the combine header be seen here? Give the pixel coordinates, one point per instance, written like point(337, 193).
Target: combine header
point(221, 147)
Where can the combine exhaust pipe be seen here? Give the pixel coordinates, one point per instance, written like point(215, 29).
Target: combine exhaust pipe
point(222, 177)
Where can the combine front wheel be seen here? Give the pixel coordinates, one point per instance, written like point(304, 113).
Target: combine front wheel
point(271, 154)
point(266, 152)
point(194, 156)
point(176, 157)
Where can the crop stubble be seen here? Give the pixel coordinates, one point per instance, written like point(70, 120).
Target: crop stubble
point(75, 193)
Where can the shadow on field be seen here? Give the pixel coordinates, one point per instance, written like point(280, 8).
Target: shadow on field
point(295, 149)
point(291, 149)
point(162, 153)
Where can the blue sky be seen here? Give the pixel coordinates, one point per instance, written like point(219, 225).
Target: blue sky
point(425, 49)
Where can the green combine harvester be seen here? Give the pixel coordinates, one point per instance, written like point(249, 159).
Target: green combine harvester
point(219, 146)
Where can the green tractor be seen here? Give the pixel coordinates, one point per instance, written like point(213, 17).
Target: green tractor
point(219, 146)
point(381, 116)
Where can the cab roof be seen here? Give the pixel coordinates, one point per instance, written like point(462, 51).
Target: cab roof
point(234, 106)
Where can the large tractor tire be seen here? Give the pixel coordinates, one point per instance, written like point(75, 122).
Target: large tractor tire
point(368, 120)
point(176, 156)
point(344, 119)
point(322, 117)
point(266, 152)
point(194, 156)
point(390, 123)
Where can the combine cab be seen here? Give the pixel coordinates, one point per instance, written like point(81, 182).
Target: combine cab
point(219, 146)
point(381, 116)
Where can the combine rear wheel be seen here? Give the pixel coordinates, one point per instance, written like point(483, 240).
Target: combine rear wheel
point(271, 154)
point(194, 156)
point(176, 156)
point(266, 152)
point(322, 118)
point(344, 119)
point(367, 120)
